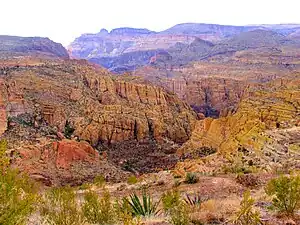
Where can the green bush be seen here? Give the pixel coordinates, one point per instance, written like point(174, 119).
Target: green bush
point(99, 181)
point(179, 215)
point(124, 213)
point(132, 180)
point(246, 215)
point(59, 207)
point(69, 130)
point(84, 186)
point(145, 207)
point(17, 193)
point(170, 199)
point(285, 191)
point(98, 210)
point(191, 178)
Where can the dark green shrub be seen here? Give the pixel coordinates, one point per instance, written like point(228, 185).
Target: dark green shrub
point(285, 191)
point(98, 210)
point(69, 130)
point(247, 215)
point(144, 206)
point(191, 178)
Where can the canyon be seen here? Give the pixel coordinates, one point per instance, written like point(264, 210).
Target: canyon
point(163, 101)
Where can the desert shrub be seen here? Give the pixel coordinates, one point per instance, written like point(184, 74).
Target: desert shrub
point(214, 211)
point(132, 180)
point(191, 178)
point(124, 213)
point(142, 207)
point(179, 215)
point(246, 214)
point(170, 199)
point(98, 210)
point(199, 153)
point(59, 207)
point(248, 180)
point(194, 200)
point(176, 183)
point(238, 165)
point(17, 192)
point(285, 191)
point(84, 186)
point(99, 181)
point(69, 130)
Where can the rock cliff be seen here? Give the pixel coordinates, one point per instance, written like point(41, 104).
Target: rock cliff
point(55, 99)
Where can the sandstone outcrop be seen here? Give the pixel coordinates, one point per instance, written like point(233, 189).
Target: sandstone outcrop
point(63, 162)
point(267, 107)
point(99, 108)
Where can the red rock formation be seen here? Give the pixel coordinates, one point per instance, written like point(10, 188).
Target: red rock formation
point(70, 152)
point(63, 162)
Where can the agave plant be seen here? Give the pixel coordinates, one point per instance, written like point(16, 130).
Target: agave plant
point(194, 200)
point(142, 207)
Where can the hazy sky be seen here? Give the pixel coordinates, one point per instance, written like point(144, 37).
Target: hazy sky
point(63, 20)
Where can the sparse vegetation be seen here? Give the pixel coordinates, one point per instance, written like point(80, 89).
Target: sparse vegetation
point(194, 200)
point(179, 214)
point(246, 214)
point(69, 130)
point(191, 178)
point(248, 180)
point(99, 181)
point(59, 207)
point(98, 210)
point(17, 192)
point(285, 193)
point(132, 180)
point(170, 199)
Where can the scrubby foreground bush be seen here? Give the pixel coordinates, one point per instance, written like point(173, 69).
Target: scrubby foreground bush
point(285, 193)
point(98, 210)
point(59, 207)
point(246, 214)
point(17, 193)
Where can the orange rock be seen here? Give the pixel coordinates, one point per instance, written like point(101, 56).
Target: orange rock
point(70, 152)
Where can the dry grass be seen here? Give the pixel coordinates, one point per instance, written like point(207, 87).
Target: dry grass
point(216, 210)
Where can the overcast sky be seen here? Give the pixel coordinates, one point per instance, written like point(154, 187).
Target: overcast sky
point(63, 20)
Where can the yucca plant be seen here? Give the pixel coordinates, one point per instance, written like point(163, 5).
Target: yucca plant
point(145, 207)
point(191, 178)
point(194, 200)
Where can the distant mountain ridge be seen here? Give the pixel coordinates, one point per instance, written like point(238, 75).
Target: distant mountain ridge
point(125, 49)
point(20, 46)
